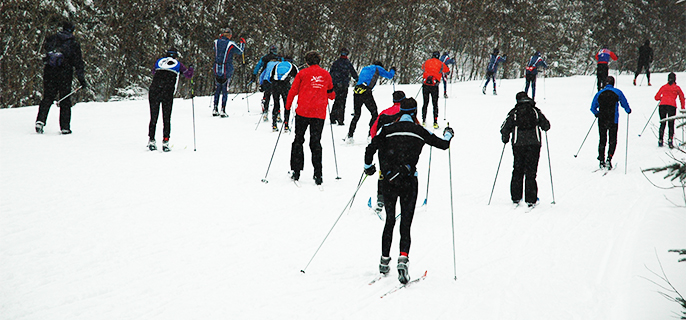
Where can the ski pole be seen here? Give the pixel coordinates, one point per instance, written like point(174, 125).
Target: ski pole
point(626, 157)
point(67, 96)
point(496, 173)
point(544, 84)
point(418, 91)
point(193, 108)
point(550, 167)
point(647, 122)
point(582, 143)
point(358, 183)
point(273, 152)
point(452, 216)
point(333, 143)
point(428, 175)
point(364, 177)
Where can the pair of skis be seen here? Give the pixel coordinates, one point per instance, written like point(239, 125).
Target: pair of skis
point(398, 287)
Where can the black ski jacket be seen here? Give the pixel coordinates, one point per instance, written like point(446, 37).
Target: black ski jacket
point(399, 145)
point(524, 123)
point(341, 71)
point(645, 54)
point(72, 54)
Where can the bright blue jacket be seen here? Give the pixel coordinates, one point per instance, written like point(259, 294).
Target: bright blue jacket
point(620, 98)
point(493, 63)
point(284, 70)
point(224, 50)
point(371, 73)
point(266, 75)
point(535, 62)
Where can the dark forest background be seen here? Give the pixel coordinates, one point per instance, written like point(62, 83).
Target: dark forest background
point(121, 39)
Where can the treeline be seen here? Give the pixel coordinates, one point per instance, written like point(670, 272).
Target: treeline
point(121, 39)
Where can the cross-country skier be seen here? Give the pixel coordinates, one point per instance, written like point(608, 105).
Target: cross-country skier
point(363, 94)
point(272, 55)
point(313, 87)
point(433, 71)
point(341, 71)
point(385, 117)
point(645, 57)
point(532, 72)
point(281, 76)
point(62, 58)
point(605, 107)
point(445, 58)
point(603, 57)
point(524, 123)
point(265, 83)
point(400, 144)
point(667, 96)
point(164, 82)
point(492, 69)
point(224, 50)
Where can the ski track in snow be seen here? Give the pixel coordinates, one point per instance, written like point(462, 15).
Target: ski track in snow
point(95, 226)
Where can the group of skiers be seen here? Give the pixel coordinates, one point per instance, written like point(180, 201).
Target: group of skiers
point(396, 135)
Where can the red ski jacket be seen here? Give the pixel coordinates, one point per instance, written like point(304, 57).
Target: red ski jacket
point(394, 109)
point(434, 68)
point(313, 86)
point(667, 95)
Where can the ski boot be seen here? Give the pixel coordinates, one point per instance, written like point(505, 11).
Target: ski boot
point(278, 118)
point(660, 143)
point(65, 131)
point(151, 145)
point(286, 128)
point(274, 127)
point(295, 175)
point(265, 118)
point(602, 164)
point(483, 90)
point(445, 95)
point(349, 140)
point(634, 81)
point(165, 145)
point(423, 123)
point(495, 93)
point(223, 114)
point(670, 144)
point(318, 180)
point(403, 272)
point(39, 126)
point(384, 268)
point(435, 125)
point(215, 112)
point(608, 163)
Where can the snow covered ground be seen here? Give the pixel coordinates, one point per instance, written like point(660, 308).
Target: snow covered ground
point(95, 226)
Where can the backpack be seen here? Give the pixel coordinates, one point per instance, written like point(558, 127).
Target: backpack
point(430, 81)
point(526, 118)
point(56, 53)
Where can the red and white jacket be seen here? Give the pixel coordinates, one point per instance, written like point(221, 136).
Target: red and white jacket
point(313, 87)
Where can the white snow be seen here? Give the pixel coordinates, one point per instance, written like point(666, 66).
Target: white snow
point(95, 226)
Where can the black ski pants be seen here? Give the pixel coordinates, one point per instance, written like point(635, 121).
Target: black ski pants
point(433, 92)
point(525, 168)
point(490, 75)
point(607, 130)
point(56, 84)
point(267, 87)
point(367, 99)
point(338, 108)
point(165, 97)
point(667, 111)
point(531, 80)
point(640, 66)
point(601, 74)
point(280, 90)
point(406, 190)
point(297, 155)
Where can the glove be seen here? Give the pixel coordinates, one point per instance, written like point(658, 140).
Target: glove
point(369, 169)
point(261, 88)
point(83, 83)
point(393, 69)
point(448, 133)
point(190, 72)
point(597, 114)
point(506, 138)
point(241, 41)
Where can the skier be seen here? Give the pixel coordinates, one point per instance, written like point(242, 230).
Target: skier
point(532, 71)
point(164, 81)
point(492, 68)
point(341, 71)
point(524, 123)
point(433, 71)
point(272, 55)
point(265, 83)
point(363, 93)
point(605, 107)
point(400, 144)
point(667, 96)
point(313, 86)
point(62, 58)
point(224, 50)
point(445, 58)
point(603, 57)
point(281, 76)
point(385, 117)
point(645, 57)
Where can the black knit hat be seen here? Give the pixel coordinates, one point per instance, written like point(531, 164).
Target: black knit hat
point(172, 52)
point(521, 96)
point(398, 96)
point(611, 80)
point(68, 26)
point(408, 106)
point(436, 54)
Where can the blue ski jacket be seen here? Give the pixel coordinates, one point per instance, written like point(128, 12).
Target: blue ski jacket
point(535, 62)
point(284, 70)
point(370, 74)
point(224, 50)
point(493, 63)
point(608, 97)
point(267, 73)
